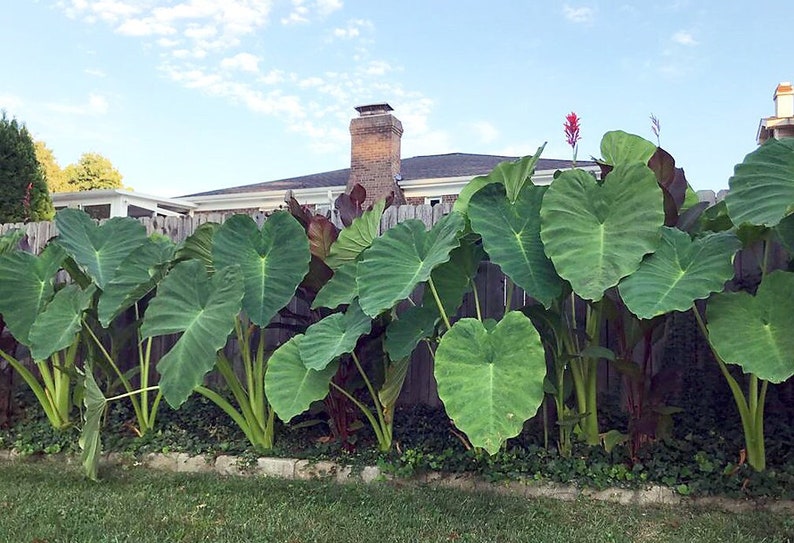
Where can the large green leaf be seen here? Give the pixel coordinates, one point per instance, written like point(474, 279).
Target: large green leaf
point(138, 274)
point(403, 257)
point(10, 240)
point(340, 289)
point(491, 381)
point(356, 237)
point(26, 286)
point(404, 333)
point(679, 272)
point(99, 250)
point(596, 234)
point(273, 261)
point(91, 437)
point(511, 236)
point(454, 278)
point(619, 147)
point(335, 335)
point(785, 233)
point(290, 386)
point(198, 245)
point(203, 309)
point(755, 332)
point(762, 187)
point(56, 327)
point(511, 175)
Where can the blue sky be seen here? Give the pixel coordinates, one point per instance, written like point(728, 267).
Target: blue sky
point(191, 95)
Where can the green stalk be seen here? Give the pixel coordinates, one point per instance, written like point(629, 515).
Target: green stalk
point(438, 303)
point(30, 379)
point(366, 411)
point(385, 443)
point(751, 412)
point(227, 408)
point(509, 294)
point(477, 302)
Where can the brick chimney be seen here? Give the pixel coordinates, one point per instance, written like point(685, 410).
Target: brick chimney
point(782, 124)
point(784, 100)
point(375, 152)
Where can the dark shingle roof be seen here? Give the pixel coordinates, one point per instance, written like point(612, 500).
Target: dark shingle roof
point(419, 167)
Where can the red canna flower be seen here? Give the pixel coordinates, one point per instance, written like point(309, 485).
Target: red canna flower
point(572, 133)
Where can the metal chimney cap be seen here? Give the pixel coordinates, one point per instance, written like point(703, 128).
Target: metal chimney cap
point(374, 109)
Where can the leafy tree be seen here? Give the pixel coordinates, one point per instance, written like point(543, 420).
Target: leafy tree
point(53, 173)
point(92, 171)
point(23, 190)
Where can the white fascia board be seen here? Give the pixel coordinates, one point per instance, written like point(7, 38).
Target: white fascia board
point(266, 200)
point(105, 196)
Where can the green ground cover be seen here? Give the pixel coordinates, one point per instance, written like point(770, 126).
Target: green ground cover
point(43, 502)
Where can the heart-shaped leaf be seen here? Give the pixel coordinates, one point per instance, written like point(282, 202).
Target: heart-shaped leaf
point(511, 175)
point(290, 386)
point(203, 309)
point(26, 286)
point(198, 246)
point(679, 272)
point(491, 382)
point(333, 336)
point(785, 233)
point(99, 250)
point(755, 332)
point(403, 257)
point(404, 333)
point(138, 275)
point(596, 234)
point(273, 261)
point(340, 289)
point(56, 327)
point(762, 187)
point(356, 237)
point(619, 147)
point(511, 236)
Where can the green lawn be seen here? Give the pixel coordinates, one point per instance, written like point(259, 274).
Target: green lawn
point(48, 502)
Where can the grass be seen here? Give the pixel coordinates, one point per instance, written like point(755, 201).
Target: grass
point(45, 502)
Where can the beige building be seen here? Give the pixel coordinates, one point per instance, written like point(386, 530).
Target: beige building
point(781, 125)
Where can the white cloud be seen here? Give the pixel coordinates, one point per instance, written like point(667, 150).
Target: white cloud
point(245, 62)
point(485, 131)
point(578, 14)
point(145, 27)
point(95, 72)
point(378, 67)
point(684, 38)
point(304, 12)
point(96, 105)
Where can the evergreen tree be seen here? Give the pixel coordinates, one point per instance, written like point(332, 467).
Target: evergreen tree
point(23, 190)
point(92, 171)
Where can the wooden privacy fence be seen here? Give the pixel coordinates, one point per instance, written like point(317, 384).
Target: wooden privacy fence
point(420, 386)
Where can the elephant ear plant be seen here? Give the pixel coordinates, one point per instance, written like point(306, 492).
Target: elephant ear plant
point(754, 332)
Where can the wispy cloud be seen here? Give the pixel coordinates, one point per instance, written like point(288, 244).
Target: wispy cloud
point(485, 131)
point(245, 62)
point(216, 48)
point(684, 38)
point(579, 15)
point(95, 72)
point(9, 103)
point(95, 105)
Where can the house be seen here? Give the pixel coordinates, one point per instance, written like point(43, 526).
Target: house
point(781, 125)
point(375, 163)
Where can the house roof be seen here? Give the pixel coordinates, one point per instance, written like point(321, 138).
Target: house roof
point(419, 167)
